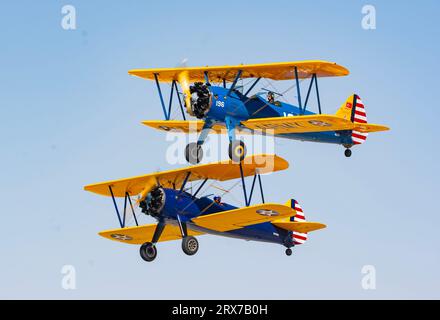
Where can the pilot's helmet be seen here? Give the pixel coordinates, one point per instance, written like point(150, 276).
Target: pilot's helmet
point(218, 199)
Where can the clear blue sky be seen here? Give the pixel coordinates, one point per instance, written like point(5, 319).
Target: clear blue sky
point(71, 116)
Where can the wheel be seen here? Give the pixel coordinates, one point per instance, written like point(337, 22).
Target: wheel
point(237, 150)
point(190, 245)
point(193, 153)
point(347, 153)
point(148, 251)
point(288, 252)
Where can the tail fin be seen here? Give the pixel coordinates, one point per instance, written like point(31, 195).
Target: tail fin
point(297, 237)
point(354, 110)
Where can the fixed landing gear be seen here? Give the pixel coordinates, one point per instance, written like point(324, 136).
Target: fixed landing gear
point(237, 150)
point(193, 153)
point(288, 252)
point(347, 153)
point(148, 251)
point(190, 245)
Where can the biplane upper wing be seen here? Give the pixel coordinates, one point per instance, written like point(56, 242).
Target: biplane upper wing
point(309, 123)
point(221, 171)
point(239, 218)
point(142, 234)
point(274, 71)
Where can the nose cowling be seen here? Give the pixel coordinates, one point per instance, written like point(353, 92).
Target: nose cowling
point(201, 99)
point(154, 202)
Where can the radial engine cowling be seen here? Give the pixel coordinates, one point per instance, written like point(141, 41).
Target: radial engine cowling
point(154, 202)
point(200, 100)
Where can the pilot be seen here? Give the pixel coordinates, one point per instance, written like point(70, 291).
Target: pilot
point(270, 97)
point(218, 200)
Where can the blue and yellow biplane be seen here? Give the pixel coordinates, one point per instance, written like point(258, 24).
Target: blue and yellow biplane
point(212, 95)
point(180, 214)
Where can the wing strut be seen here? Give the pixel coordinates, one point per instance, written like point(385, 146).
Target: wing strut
point(314, 80)
point(247, 199)
point(126, 197)
point(180, 101)
point(252, 86)
point(116, 207)
point(166, 113)
point(132, 209)
point(161, 96)
point(185, 181)
point(200, 187)
point(238, 76)
point(298, 89)
point(261, 188)
point(206, 74)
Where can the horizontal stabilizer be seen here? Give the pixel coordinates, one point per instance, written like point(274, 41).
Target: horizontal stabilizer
point(369, 127)
point(302, 227)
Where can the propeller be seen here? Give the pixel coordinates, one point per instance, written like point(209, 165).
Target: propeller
point(150, 185)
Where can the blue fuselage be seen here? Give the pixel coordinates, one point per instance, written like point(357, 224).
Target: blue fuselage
point(184, 206)
point(237, 107)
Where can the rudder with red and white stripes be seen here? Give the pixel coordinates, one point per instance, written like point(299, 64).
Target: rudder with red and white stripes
point(359, 116)
point(298, 237)
point(354, 110)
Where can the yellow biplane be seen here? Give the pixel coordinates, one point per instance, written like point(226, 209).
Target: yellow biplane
point(180, 214)
point(212, 95)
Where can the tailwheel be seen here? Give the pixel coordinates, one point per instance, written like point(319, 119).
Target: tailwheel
point(288, 252)
point(190, 245)
point(347, 153)
point(148, 251)
point(237, 150)
point(193, 153)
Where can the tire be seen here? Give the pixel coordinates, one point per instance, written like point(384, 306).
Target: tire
point(347, 153)
point(193, 153)
point(288, 252)
point(190, 245)
point(148, 251)
point(237, 151)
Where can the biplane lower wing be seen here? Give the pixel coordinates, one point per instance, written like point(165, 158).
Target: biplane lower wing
point(142, 234)
point(181, 126)
point(309, 123)
point(239, 218)
point(187, 126)
point(302, 227)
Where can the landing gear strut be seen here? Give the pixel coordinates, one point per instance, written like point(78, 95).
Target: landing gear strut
point(347, 153)
point(148, 251)
point(190, 245)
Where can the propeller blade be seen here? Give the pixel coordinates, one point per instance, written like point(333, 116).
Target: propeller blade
point(150, 185)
